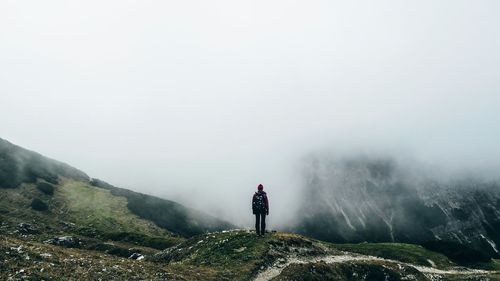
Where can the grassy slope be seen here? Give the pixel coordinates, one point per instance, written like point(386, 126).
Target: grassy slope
point(376, 270)
point(239, 255)
point(21, 259)
point(96, 208)
point(231, 255)
point(20, 168)
point(80, 209)
point(409, 253)
point(167, 214)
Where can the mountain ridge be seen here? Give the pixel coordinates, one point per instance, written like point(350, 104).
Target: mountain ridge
point(377, 199)
point(18, 165)
point(21, 166)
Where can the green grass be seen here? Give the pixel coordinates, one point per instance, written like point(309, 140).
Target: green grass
point(26, 263)
point(103, 215)
point(495, 264)
point(16, 205)
point(155, 242)
point(79, 209)
point(408, 253)
point(98, 209)
point(233, 255)
point(465, 277)
point(239, 254)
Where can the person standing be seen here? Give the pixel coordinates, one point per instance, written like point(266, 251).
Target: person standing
point(260, 208)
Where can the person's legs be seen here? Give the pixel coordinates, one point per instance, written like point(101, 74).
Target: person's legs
point(263, 224)
point(257, 223)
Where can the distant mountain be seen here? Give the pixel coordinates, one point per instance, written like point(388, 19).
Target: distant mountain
point(36, 178)
point(379, 200)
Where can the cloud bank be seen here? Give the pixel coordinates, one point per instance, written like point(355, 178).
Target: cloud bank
point(201, 101)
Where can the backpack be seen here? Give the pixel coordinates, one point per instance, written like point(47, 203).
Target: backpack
point(259, 202)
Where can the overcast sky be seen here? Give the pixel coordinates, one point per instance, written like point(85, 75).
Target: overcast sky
point(200, 101)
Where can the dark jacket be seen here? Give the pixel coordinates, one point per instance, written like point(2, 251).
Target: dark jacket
point(256, 209)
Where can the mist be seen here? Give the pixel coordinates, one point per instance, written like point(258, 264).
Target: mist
point(199, 101)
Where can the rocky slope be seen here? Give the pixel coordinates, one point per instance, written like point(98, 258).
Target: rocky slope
point(379, 200)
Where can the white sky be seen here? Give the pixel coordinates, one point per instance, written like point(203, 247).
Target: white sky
point(200, 101)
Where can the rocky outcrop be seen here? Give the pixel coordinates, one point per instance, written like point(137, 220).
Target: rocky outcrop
point(377, 200)
point(65, 241)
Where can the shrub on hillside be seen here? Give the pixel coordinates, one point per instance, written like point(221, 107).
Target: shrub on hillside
point(14, 172)
point(111, 249)
point(9, 171)
point(159, 243)
point(39, 205)
point(19, 165)
point(46, 188)
point(37, 169)
point(165, 213)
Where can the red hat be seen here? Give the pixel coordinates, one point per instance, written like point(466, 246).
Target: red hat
point(260, 187)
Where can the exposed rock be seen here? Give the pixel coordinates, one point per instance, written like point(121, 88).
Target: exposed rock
point(239, 250)
point(136, 256)
point(67, 225)
point(45, 256)
point(46, 188)
point(25, 228)
point(66, 241)
point(19, 249)
point(350, 200)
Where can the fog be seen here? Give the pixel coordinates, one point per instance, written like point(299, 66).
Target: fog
point(200, 101)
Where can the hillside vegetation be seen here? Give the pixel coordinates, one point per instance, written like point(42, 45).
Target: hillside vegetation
point(57, 224)
point(80, 210)
point(62, 189)
point(231, 255)
point(19, 165)
point(107, 234)
point(165, 213)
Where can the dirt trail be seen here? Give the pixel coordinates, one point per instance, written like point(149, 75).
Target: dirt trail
point(278, 266)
